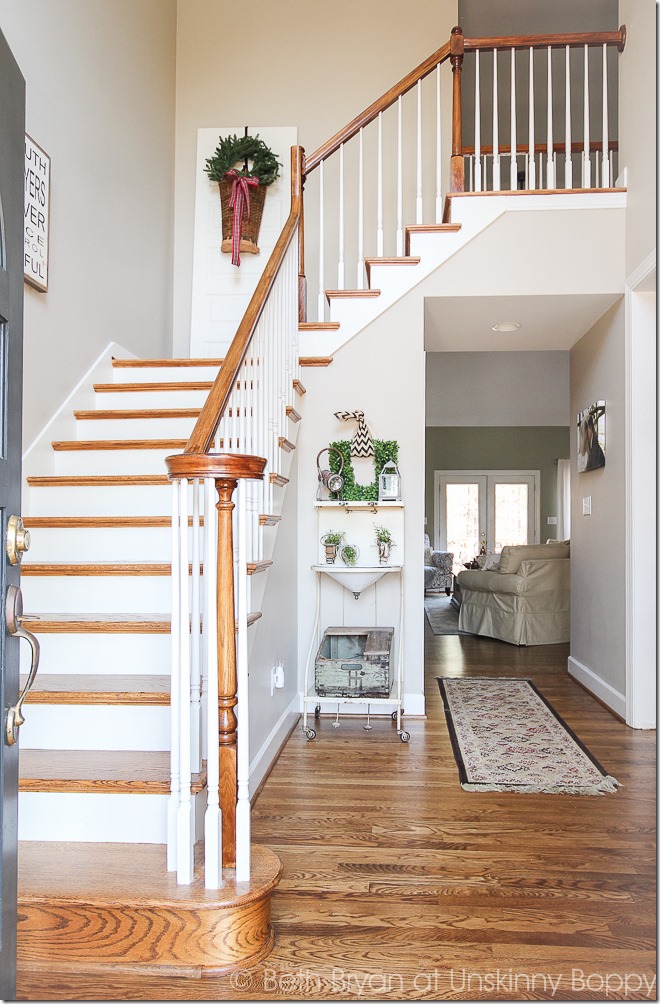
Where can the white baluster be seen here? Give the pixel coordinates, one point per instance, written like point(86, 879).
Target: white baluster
point(597, 166)
point(242, 710)
point(360, 263)
point(438, 150)
point(470, 183)
point(213, 816)
point(195, 638)
point(551, 181)
point(399, 181)
point(586, 152)
point(612, 174)
point(185, 838)
point(531, 177)
point(419, 215)
point(379, 191)
point(497, 184)
point(568, 163)
point(175, 644)
point(605, 181)
point(340, 263)
point(321, 296)
point(513, 172)
point(477, 125)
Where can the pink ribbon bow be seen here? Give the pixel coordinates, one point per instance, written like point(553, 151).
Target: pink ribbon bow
point(240, 203)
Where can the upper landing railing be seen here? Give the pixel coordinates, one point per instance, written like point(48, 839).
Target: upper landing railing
point(369, 182)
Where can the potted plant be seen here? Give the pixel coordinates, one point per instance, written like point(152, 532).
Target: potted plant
point(384, 542)
point(242, 189)
point(349, 554)
point(331, 541)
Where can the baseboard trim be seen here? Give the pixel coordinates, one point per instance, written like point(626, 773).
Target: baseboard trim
point(266, 756)
point(592, 682)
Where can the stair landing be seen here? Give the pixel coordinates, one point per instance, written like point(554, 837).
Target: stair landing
point(88, 907)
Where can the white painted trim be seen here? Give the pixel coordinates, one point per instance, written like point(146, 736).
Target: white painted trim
point(644, 271)
point(535, 474)
point(598, 687)
point(111, 349)
point(641, 500)
point(267, 753)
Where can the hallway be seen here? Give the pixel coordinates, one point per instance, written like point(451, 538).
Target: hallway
point(399, 884)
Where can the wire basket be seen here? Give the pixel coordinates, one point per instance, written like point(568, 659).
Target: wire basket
point(251, 224)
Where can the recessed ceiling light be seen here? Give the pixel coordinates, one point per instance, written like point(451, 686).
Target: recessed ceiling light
point(506, 326)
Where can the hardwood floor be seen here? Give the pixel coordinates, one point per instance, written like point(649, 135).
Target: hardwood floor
point(399, 884)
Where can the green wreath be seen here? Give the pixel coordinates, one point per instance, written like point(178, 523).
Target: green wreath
point(232, 149)
point(385, 451)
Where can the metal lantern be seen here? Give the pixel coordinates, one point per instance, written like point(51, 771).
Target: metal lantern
point(389, 483)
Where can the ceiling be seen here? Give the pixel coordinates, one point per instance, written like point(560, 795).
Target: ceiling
point(547, 322)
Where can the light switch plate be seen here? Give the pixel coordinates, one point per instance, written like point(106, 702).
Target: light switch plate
point(586, 506)
point(552, 521)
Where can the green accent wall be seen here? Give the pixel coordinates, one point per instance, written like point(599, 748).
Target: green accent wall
point(498, 448)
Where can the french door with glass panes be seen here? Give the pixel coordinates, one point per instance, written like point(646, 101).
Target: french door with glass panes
point(489, 508)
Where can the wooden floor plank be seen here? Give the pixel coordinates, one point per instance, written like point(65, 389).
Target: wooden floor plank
point(398, 884)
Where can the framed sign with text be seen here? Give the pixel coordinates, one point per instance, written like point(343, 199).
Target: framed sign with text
point(36, 221)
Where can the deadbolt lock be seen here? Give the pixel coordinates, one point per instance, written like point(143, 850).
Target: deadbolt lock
point(18, 540)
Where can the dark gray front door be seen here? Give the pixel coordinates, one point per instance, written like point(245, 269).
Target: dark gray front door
point(12, 160)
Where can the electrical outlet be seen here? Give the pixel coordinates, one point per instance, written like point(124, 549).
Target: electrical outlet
point(586, 506)
point(552, 521)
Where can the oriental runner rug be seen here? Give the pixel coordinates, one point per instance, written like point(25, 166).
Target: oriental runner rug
point(507, 737)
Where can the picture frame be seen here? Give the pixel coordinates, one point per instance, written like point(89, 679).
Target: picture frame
point(36, 217)
point(591, 437)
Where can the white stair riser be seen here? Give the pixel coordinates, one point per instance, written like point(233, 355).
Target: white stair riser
point(112, 461)
point(93, 817)
point(134, 428)
point(96, 817)
point(97, 593)
point(102, 654)
point(163, 374)
point(394, 280)
point(152, 543)
point(96, 727)
point(357, 311)
point(100, 500)
point(151, 399)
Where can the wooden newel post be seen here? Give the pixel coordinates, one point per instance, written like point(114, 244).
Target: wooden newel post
point(457, 170)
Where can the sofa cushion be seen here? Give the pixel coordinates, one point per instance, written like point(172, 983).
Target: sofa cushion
point(490, 582)
point(513, 554)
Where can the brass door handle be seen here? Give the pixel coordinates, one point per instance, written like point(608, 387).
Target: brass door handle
point(13, 614)
point(18, 540)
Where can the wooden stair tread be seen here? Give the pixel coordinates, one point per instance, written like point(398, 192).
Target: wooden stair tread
point(371, 262)
point(97, 522)
point(316, 361)
point(119, 444)
point(278, 479)
point(298, 387)
point(318, 326)
point(87, 414)
point(290, 413)
point(430, 228)
point(268, 519)
point(286, 444)
point(97, 480)
point(70, 688)
point(129, 388)
point(348, 294)
point(112, 771)
point(255, 567)
point(96, 568)
point(96, 623)
point(160, 363)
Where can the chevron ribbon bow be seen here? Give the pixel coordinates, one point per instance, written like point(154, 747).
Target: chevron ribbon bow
point(239, 201)
point(361, 444)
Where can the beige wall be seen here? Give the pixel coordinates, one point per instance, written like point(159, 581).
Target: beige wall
point(311, 66)
point(100, 101)
point(637, 127)
point(598, 621)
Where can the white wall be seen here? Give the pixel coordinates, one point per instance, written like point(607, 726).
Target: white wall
point(598, 541)
point(497, 388)
point(100, 101)
point(383, 375)
point(315, 67)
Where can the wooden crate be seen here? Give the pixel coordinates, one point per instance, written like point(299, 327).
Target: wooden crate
point(354, 662)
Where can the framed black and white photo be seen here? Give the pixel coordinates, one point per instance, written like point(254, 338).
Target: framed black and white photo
point(591, 437)
point(36, 220)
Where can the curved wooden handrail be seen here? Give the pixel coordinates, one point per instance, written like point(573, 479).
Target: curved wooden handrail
point(201, 438)
point(560, 41)
point(372, 112)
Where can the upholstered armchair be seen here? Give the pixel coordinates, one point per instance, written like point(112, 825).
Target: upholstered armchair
point(437, 568)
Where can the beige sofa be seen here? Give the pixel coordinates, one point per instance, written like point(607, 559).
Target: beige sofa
point(525, 601)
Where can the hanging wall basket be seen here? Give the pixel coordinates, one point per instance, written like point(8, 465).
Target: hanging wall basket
point(251, 224)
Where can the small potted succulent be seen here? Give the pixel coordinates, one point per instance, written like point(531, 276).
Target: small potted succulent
point(349, 554)
point(384, 543)
point(331, 541)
